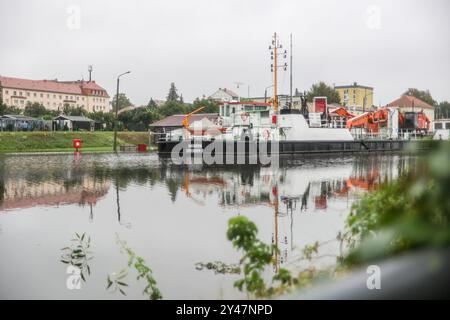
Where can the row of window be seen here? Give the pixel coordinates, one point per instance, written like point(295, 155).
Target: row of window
point(440, 125)
point(28, 94)
point(16, 103)
point(99, 92)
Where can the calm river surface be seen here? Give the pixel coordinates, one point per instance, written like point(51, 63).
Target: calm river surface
point(172, 216)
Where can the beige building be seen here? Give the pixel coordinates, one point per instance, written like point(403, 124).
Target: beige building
point(356, 98)
point(54, 94)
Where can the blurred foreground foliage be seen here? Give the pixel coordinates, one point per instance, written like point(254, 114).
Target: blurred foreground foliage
point(409, 213)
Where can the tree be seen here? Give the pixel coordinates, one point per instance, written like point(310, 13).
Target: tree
point(5, 109)
point(138, 119)
point(173, 107)
point(152, 104)
point(211, 106)
point(321, 89)
point(74, 111)
point(13, 110)
point(423, 95)
point(173, 95)
point(181, 98)
point(35, 110)
point(443, 110)
point(107, 118)
point(123, 101)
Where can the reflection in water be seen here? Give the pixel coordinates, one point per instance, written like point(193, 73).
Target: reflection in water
point(182, 208)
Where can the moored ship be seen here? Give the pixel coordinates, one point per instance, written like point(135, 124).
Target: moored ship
point(244, 127)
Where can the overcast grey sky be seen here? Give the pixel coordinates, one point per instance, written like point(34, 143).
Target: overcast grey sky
point(203, 45)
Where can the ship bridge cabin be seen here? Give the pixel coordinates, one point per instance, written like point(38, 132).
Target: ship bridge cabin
point(245, 113)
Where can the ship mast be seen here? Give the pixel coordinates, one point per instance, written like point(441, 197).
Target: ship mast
point(274, 67)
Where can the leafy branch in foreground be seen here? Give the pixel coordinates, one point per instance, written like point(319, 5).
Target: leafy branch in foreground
point(257, 255)
point(78, 254)
point(117, 281)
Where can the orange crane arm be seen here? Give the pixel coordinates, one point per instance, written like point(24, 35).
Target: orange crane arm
point(360, 120)
point(188, 116)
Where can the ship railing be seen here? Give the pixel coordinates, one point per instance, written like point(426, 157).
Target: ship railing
point(334, 124)
point(402, 135)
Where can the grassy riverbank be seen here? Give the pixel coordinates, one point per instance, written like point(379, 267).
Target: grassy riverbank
point(62, 141)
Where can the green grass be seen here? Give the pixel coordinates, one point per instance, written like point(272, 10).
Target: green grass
point(62, 141)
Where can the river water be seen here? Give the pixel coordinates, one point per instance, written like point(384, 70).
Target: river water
point(172, 216)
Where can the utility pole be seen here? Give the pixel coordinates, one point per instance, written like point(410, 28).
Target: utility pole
point(117, 111)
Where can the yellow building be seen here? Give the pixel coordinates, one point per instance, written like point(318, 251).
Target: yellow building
point(355, 97)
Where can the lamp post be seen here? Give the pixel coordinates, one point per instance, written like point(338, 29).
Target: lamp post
point(117, 110)
point(265, 93)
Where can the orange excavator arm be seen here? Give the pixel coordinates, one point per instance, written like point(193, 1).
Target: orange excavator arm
point(360, 120)
point(188, 116)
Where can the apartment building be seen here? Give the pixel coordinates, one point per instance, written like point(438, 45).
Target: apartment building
point(54, 94)
point(356, 98)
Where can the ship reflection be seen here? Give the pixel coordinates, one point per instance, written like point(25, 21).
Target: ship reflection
point(298, 187)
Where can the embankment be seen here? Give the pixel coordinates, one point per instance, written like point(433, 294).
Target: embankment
point(62, 141)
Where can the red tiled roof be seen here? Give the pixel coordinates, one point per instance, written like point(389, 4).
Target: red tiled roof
point(177, 119)
point(69, 87)
point(410, 101)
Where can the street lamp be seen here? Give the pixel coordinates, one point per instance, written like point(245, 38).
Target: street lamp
point(117, 110)
point(265, 93)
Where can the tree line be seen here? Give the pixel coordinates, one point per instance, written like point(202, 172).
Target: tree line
point(139, 118)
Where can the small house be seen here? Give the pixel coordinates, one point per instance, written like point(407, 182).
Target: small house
point(73, 123)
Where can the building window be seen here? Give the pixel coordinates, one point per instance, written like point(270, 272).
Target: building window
point(28, 94)
point(437, 125)
point(6, 92)
point(54, 96)
point(20, 93)
point(34, 94)
point(15, 93)
point(42, 95)
point(60, 96)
